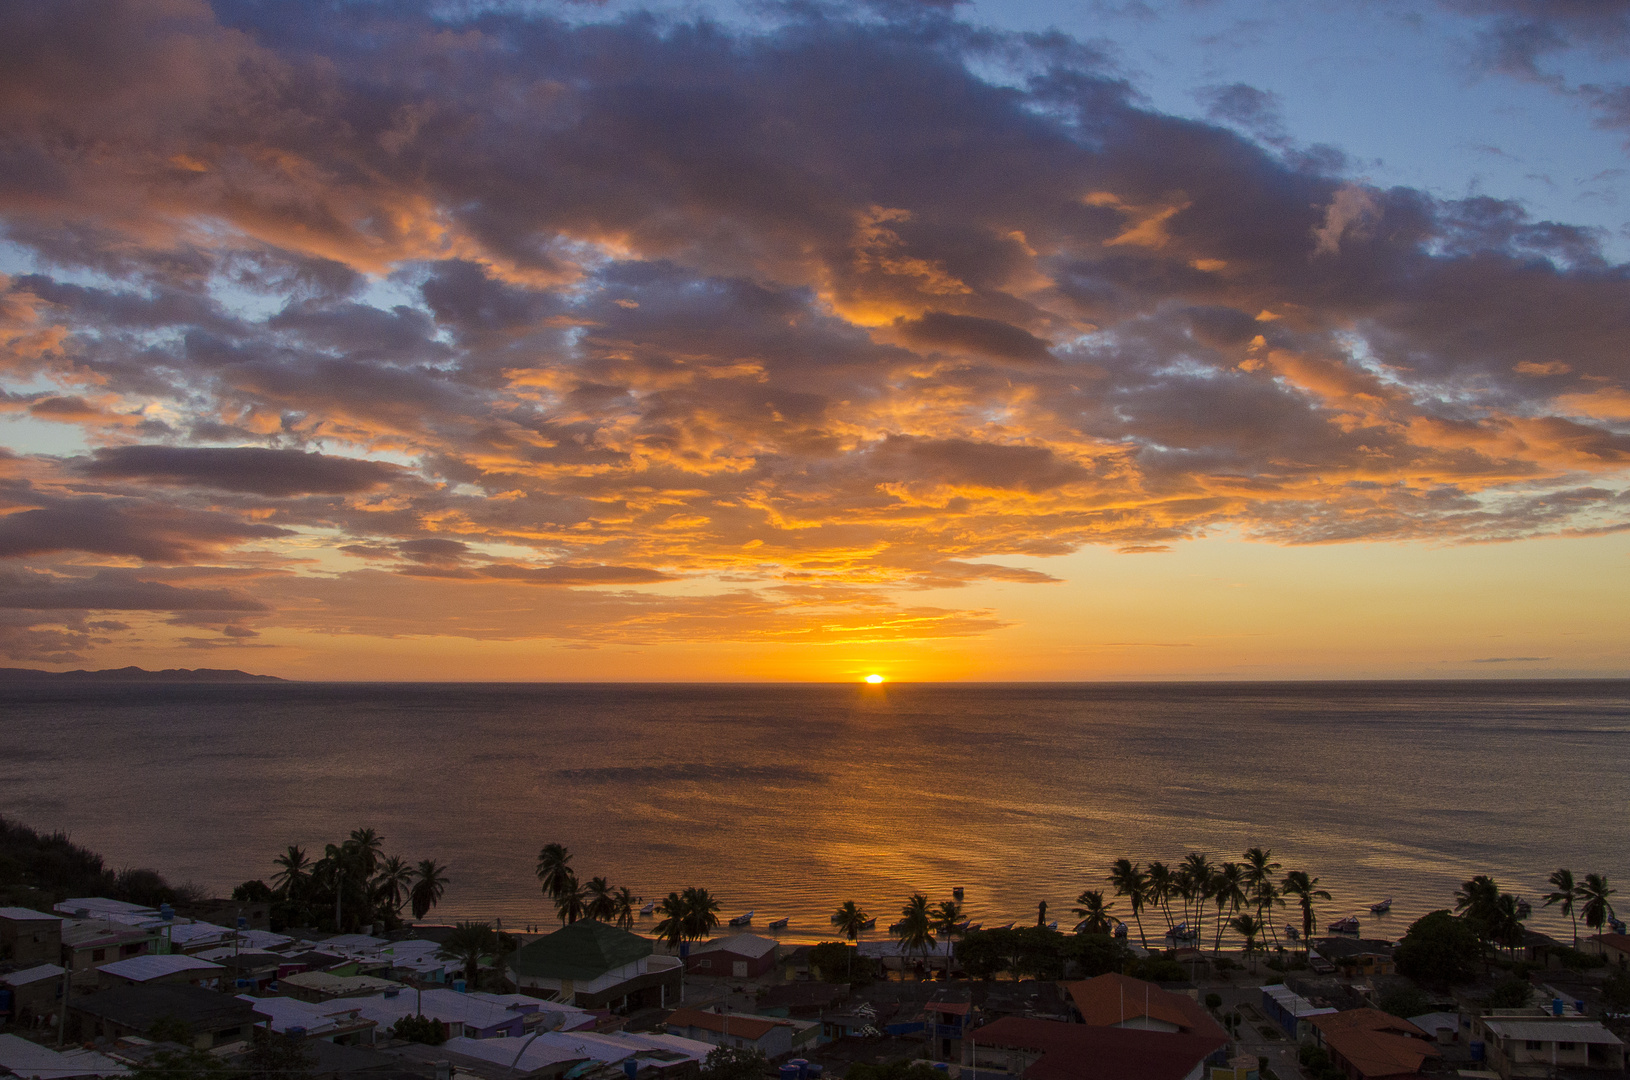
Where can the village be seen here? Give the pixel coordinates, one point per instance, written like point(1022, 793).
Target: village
point(97, 987)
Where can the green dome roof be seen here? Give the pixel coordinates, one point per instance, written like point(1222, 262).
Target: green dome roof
point(580, 951)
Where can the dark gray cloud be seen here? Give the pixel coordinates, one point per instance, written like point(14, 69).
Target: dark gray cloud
point(248, 469)
point(115, 590)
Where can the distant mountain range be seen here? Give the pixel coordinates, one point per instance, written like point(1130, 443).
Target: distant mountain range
point(135, 674)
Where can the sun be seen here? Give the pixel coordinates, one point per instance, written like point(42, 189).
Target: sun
point(874, 679)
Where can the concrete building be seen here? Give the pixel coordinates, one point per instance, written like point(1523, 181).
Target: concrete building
point(650, 1055)
point(208, 1016)
point(1536, 1046)
point(772, 1038)
point(319, 986)
point(88, 944)
point(1052, 1050)
point(1115, 1000)
point(595, 965)
point(30, 937)
point(36, 993)
point(337, 1022)
point(31, 1061)
point(1292, 1011)
point(1368, 1044)
point(465, 1015)
point(742, 956)
point(1614, 948)
point(174, 969)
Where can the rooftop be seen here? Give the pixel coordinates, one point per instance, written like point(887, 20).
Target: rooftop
point(145, 968)
point(138, 1007)
point(582, 950)
point(1080, 1052)
point(741, 944)
point(1114, 999)
point(322, 982)
point(22, 914)
point(1376, 1043)
point(287, 1012)
point(34, 1062)
point(1585, 1031)
point(31, 975)
point(734, 1024)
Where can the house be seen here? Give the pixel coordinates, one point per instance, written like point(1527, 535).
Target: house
point(100, 907)
point(773, 1038)
point(595, 965)
point(175, 968)
point(87, 944)
point(465, 1015)
point(30, 937)
point(1445, 1027)
point(1368, 1044)
point(319, 986)
point(1614, 948)
point(245, 970)
point(212, 1018)
point(35, 994)
point(650, 1054)
point(1531, 1046)
point(337, 1022)
point(743, 956)
point(30, 1061)
point(1053, 1050)
point(1115, 1000)
point(1292, 1011)
point(802, 999)
point(1358, 956)
point(194, 937)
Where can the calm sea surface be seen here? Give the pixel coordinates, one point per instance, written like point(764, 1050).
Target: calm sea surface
point(789, 799)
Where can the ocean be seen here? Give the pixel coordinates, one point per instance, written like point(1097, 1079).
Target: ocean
point(788, 799)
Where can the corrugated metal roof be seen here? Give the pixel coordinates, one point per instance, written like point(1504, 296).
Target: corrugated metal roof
point(1585, 1031)
point(145, 968)
point(31, 975)
point(22, 914)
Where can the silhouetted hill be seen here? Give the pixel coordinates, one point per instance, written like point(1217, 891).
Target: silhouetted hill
point(135, 674)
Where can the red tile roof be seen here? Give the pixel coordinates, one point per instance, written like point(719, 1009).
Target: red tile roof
point(745, 1027)
point(1078, 1052)
point(1110, 1000)
point(1620, 942)
point(1375, 1043)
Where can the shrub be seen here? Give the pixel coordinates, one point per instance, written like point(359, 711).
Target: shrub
point(1511, 994)
point(420, 1029)
point(1405, 1001)
point(1213, 1001)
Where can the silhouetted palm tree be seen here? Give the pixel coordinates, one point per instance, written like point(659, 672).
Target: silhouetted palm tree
point(947, 918)
point(1132, 882)
point(393, 883)
point(1305, 889)
point(430, 883)
point(625, 903)
point(368, 848)
point(850, 921)
point(1228, 893)
point(670, 928)
point(1566, 893)
point(1250, 928)
point(555, 870)
point(1505, 922)
point(701, 913)
point(1162, 885)
point(1260, 869)
point(294, 872)
point(915, 930)
point(1198, 872)
point(1094, 913)
point(570, 904)
point(599, 904)
point(1593, 898)
point(467, 943)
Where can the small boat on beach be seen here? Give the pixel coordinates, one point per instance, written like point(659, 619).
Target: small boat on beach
point(1004, 926)
point(745, 919)
point(1616, 924)
point(971, 929)
point(1291, 933)
point(649, 908)
point(1053, 925)
point(1181, 933)
point(962, 927)
point(779, 924)
point(1382, 908)
point(894, 928)
point(869, 924)
point(1349, 925)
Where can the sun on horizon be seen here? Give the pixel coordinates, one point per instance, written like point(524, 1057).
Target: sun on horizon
point(874, 679)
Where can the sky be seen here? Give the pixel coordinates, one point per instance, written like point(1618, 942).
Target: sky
point(808, 340)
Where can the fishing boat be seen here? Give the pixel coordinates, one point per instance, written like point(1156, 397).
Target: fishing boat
point(869, 924)
point(1349, 925)
point(1616, 924)
point(779, 924)
point(1004, 926)
point(957, 892)
point(1382, 908)
point(1181, 932)
point(1053, 925)
point(649, 908)
point(744, 919)
point(962, 927)
point(894, 928)
point(1120, 931)
point(974, 927)
point(1291, 933)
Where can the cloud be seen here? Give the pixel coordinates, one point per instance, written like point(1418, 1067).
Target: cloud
point(251, 470)
point(115, 590)
point(812, 305)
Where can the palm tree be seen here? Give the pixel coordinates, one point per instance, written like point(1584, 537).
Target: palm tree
point(468, 943)
point(392, 885)
point(1199, 871)
point(1260, 868)
point(1132, 882)
point(555, 870)
point(1476, 896)
point(1094, 913)
point(624, 902)
point(332, 871)
point(701, 913)
point(916, 929)
point(947, 919)
point(1250, 928)
point(368, 848)
point(1227, 891)
point(850, 921)
point(1306, 890)
point(1566, 893)
point(427, 890)
point(1505, 923)
point(1162, 884)
point(671, 927)
point(1593, 897)
point(601, 905)
point(294, 872)
point(570, 903)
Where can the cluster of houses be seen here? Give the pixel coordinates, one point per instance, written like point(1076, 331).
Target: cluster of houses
point(97, 987)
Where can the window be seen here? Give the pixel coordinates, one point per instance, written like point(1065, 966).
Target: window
point(1564, 1046)
point(704, 963)
point(98, 954)
point(1535, 1044)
